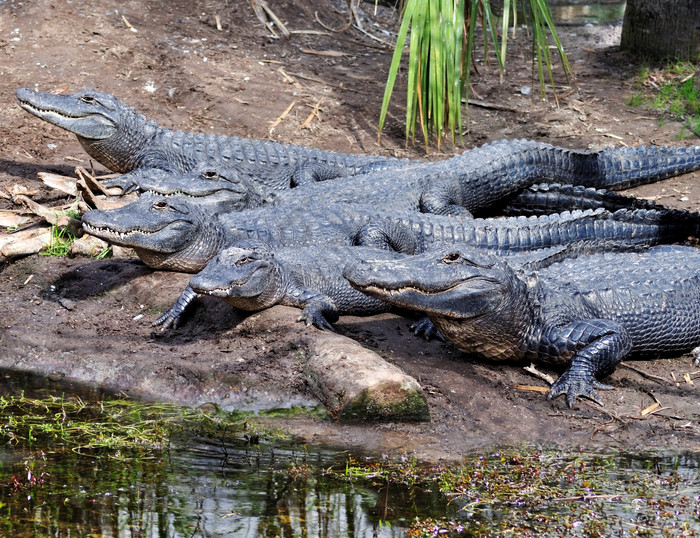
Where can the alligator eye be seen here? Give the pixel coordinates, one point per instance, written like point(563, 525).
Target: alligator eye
point(210, 174)
point(160, 205)
point(244, 260)
point(88, 99)
point(452, 257)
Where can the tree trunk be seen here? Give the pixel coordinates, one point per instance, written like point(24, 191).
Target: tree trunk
point(661, 29)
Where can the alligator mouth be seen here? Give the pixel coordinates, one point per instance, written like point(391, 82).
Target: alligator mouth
point(237, 289)
point(105, 232)
point(45, 111)
point(217, 292)
point(187, 194)
point(399, 291)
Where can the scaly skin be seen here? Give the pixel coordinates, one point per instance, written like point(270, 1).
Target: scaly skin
point(478, 179)
point(548, 198)
point(589, 313)
point(252, 276)
point(176, 233)
point(116, 136)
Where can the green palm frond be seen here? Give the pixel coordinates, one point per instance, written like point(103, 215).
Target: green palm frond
point(441, 44)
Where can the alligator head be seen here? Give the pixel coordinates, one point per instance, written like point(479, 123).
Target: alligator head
point(247, 276)
point(473, 297)
point(108, 129)
point(225, 187)
point(166, 233)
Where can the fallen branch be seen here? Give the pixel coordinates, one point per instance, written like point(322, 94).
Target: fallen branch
point(314, 112)
point(282, 116)
point(534, 371)
point(261, 8)
point(341, 29)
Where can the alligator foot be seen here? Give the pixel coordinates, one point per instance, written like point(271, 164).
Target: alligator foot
point(575, 384)
point(313, 316)
point(696, 352)
point(125, 182)
point(424, 327)
point(171, 317)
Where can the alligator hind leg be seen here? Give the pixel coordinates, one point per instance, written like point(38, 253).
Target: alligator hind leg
point(387, 235)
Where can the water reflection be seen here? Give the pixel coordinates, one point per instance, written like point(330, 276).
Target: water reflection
point(572, 12)
point(222, 484)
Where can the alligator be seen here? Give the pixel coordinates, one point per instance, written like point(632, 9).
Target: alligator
point(538, 199)
point(588, 313)
point(252, 276)
point(179, 234)
point(118, 137)
point(121, 139)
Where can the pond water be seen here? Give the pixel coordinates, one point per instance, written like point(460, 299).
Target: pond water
point(573, 12)
point(200, 475)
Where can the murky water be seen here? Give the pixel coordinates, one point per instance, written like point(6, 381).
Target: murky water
point(219, 482)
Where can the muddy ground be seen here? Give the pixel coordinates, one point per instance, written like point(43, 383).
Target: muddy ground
point(79, 317)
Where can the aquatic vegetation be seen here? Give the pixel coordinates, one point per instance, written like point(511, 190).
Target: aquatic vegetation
point(528, 492)
point(114, 466)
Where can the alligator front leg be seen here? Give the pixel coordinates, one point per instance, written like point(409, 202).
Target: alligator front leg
point(131, 181)
point(317, 309)
point(426, 328)
point(599, 345)
point(171, 317)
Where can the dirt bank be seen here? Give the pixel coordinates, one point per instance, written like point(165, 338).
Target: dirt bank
point(81, 317)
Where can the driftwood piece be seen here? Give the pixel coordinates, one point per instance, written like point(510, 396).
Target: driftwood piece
point(24, 242)
point(356, 384)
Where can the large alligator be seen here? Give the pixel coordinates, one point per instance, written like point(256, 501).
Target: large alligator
point(589, 313)
point(176, 233)
point(252, 276)
point(211, 183)
point(121, 139)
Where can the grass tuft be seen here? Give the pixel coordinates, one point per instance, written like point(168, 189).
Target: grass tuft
point(672, 92)
point(441, 47)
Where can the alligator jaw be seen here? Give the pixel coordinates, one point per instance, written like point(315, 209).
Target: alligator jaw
point(115, 236)
point(67, 112)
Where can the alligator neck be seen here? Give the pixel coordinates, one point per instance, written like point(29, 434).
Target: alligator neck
point(200, 247)
point(128, 148)
point(503, 334)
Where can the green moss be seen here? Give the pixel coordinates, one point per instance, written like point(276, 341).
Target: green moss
point(372, 406)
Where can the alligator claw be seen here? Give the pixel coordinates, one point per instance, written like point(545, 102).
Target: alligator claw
point(578, 384)
point(167, 321)
point(424, 327)
point(315, 318)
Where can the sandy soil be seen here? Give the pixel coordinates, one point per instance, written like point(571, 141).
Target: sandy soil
point(80, 317)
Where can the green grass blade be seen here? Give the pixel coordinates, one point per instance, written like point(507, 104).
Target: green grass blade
point(396, 59)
